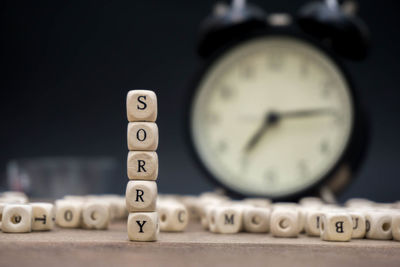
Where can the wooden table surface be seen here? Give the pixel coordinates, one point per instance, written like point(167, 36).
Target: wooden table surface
point(194, 247)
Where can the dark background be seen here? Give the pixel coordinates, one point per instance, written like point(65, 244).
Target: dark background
point(67, 66)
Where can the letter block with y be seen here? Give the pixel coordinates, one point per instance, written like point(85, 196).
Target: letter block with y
point(142, 165)
point(141, 105)
point(336, 226)
point(141, 196)
point(143, 226)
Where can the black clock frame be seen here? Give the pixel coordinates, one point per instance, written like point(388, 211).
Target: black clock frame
point(356, 148)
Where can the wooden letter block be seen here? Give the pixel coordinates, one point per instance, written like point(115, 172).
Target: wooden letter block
point(120, 204)
point(43, 216)
point(313, 221)
point(143, 226)
point(378, 224)
point(13, 197)
point(396, 226)
point(203, 204)
point(1, 212)
point(285, 222)
point(258, 202)
point(205, 216)
point(256, 219)
point(142, 165)
point(117, 206)
point(336, 226)
point(357, 203)
point(313, 202)
point(141, 195)
point(141, 105)
point(292, 205)
point(173, 216)
point(142, 136)
point(359, 225)
point(17, 218)
point(96, 215)
point(68, 213)
point(225, 220)
point(190, 203)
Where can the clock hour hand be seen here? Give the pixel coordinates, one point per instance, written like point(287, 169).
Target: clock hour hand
point(270, 119)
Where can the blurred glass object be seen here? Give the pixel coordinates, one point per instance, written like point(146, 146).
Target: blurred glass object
point(51, 177)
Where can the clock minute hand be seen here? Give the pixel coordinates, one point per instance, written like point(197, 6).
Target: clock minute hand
point(270, 119)
point(306, 113)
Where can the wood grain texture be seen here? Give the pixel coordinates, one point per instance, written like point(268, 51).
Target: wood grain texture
point(195, 247)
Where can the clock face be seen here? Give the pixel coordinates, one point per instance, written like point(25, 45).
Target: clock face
point(271, 117)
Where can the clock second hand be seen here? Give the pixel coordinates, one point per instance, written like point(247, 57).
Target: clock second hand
point(273, 118)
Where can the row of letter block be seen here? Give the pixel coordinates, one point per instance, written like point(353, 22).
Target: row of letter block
point(24, 218)
point(88, 212)
point(142, 166)
point(357, 219)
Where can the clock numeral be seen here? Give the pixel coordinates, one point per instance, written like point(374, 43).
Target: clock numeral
point(222, 147)
point(328, 87)
point(246, 71)
point(303, 168)
point(338, 119)
point(226, 92)
point(304, 68)
point(270, 176)
point(275, 62)
point(212, 118)
point(244, 163)
point(324, 147)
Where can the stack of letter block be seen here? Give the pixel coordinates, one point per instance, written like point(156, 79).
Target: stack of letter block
point(142, 165)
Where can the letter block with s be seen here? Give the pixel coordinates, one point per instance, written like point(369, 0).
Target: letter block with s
point(141, 105)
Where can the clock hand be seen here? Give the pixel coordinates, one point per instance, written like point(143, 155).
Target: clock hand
point(296, 113)
point(273, 117)
point(306, 113)
point(270, 119)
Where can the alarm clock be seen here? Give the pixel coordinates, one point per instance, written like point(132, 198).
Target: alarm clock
point(273, 112)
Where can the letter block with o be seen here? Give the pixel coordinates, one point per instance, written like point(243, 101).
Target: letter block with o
point(141, 196)
point(142, 136)
point(68, 213)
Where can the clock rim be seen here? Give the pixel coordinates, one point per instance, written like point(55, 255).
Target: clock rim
point(356, 146)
